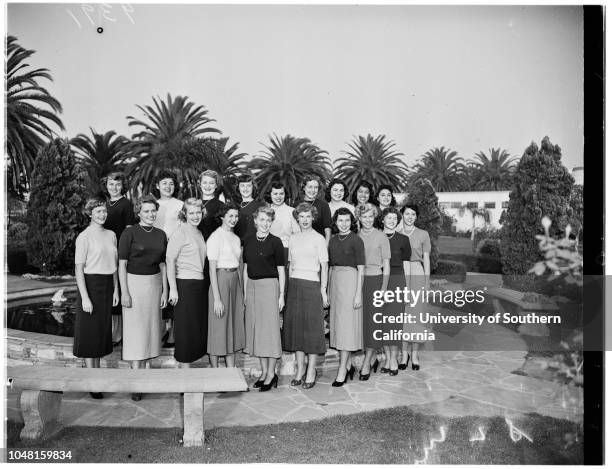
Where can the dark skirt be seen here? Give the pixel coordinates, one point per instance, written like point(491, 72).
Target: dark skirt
point(190, 320)
point(396, 279)
point(303, 328)
point(371, 283)
point(93, 332)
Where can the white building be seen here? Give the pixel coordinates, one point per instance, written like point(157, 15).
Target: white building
point(459, 204)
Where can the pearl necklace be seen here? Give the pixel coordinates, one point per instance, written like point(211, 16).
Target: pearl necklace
point(345, 236)
point(261, 240)
point(112, 204)
point(392, 235)
point(411, 231)
point(145, 230)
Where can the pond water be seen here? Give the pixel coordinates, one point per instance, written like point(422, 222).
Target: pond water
point(44, 318)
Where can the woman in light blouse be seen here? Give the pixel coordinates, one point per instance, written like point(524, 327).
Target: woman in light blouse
point(377, 255)
point(419, 277)
point(226, 334)
point(95, 261)
point(185, 258)
point(284, 224)
point(264, 286)
point(303, 331)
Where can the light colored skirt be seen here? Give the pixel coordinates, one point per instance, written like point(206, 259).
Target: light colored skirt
point(226, 334)
point(345, 322)
point(417, 281)
point(142, 322)
point(261, 318)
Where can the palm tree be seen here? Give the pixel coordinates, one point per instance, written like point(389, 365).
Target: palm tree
point(167, 125)
point(27, 123)
point(198, 155)
point(99, 155)
point(373, 160)
point(493, 173)
point(443, 168)
point(289, 160)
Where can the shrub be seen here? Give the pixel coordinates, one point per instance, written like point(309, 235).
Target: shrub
point(491, 233)
point(55, 215)
point(469, 260)
point(452, 271)
point(423, 195)
point(16, 252)
point(489, 256)
point(541, 186)
point(447, 228)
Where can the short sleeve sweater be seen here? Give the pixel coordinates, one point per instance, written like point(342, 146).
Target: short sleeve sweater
point(400, 251)
point(307, 250)
point(97, 250)
point(187, 248)
point(224, 247)
point(346, 250)
point(263, 257)
point(377, 249)
point(143, 248)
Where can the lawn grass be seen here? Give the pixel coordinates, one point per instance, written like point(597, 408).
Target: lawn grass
point(454, 245)
point(389, 436)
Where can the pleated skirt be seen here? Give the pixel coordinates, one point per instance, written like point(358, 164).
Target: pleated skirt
point(93, 332)
point(226, 334)
point(417, 281)
point(190, 320)
point(142, 322)
point(303, 327)
point(261, 318)
point(371, 283)
point(345, 322)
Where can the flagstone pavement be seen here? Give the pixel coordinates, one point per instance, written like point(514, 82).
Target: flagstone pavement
point(449, 384)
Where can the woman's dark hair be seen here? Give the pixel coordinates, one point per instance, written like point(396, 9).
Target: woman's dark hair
point(307, 179)
point(369, 187)
point(386, 212)
point(114, 176)
point(245, 178)
point(305, 207)
point(411, 207)
point(390, 189)
point(343, 211)
point(165, 174)
point(332, 184)
point(226, 207)
point(274, 185)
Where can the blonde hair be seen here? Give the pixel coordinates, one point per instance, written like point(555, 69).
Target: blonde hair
point(190, 202)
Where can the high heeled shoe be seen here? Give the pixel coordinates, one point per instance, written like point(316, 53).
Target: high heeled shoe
point(337, 384)
point(351, 372)
point(374, 366)
point(416, 367)
point(297, 382)
point(364, 377)
point(273, 383)
point(393, 372)
point(384, 370)
point(258, 383)
point(403, 366)
point(307, 385)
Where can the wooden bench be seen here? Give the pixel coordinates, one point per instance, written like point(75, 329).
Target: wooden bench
point(42, 387)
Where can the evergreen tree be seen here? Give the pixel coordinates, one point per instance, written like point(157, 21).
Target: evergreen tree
point(423, 195)
point(541, 186)
point(55, 216)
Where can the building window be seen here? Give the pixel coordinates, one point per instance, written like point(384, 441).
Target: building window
point(456, 205)
point(444, 204)
point(489, 205)
point(505, 204)
point(472, 205)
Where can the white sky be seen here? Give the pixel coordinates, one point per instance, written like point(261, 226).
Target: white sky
point(464, 77)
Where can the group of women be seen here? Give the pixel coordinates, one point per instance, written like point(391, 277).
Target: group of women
point(225, 272)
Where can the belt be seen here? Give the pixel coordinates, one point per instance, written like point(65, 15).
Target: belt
point(233, 269)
